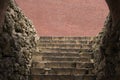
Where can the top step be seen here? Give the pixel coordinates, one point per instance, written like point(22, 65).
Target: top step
point(65, 38)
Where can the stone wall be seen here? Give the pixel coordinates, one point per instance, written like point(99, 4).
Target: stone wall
point(107, 54)
point(3, 7)
point(17, 42)
point(98, 56)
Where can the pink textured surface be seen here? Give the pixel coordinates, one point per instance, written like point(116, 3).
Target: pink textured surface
point(66, 17)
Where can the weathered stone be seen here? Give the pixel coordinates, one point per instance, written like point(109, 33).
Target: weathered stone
point(59, 60)
point(107, 55)
point(17, 42)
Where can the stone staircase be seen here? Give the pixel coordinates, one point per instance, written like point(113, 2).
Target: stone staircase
point(63, 58)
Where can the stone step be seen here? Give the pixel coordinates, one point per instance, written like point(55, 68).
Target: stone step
point(66, 50)
point(59, 58)
point(77, 42)
point(61, 71)
point(65, 38)
point(57, 51)
point(62, 55)
point(62, 64)
point(64, 45)
point(57, 54)
point(61, 50)
point(87, 55)
point(63, 77)
point(65, 55)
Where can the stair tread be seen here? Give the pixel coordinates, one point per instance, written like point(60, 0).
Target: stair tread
point(63, 44)
point(65, 48)
point(60, 62)
point(61, 68)
point(54, 53)
point(62, 57)
point(63, 75)
point(74, 57)
point(57, 54)
point(72, 48)
point(65, 64)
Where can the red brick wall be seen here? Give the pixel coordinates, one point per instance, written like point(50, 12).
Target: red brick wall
point(65, 17)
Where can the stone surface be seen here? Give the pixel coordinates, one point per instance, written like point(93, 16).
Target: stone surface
point(17, 43)
point(58, 59)
point(3, 7)
point(107, 56)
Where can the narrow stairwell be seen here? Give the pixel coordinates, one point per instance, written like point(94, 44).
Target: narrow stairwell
point(63, 58)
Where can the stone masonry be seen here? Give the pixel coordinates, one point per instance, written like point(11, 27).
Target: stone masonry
point(108, 64)
point(24, 56)
point(17, 43)
point(63, 58)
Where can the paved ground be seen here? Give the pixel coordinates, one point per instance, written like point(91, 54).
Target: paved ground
point(66, 17)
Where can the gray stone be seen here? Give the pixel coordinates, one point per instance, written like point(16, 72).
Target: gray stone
point(18, 41)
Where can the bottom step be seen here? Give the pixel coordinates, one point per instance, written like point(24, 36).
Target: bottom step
point(63, 77)
point(62, 71)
